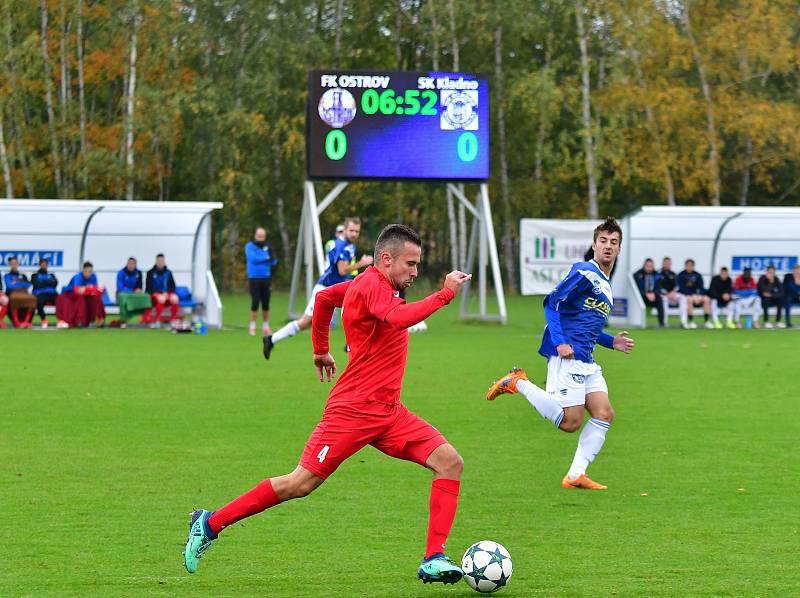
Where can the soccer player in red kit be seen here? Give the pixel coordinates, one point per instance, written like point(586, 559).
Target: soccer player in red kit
point(364, 405)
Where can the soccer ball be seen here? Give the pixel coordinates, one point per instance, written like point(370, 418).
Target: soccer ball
point(487, 566)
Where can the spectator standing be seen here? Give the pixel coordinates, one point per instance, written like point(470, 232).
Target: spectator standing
point(747, 300)
point(160, 286)
point(44, 289)
point(260, 261)
point(770, 290)
point(131, 298)
point(21, 304)
point(80, 303)
point(791, 293)
point(721, 293)
point(647, 280)
point(691, 294)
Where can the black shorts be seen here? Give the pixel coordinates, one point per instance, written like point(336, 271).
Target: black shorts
point(260, 292)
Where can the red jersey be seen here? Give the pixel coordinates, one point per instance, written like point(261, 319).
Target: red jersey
point(376, 322)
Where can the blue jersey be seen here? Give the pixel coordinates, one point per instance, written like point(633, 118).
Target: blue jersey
point(79, 281)
point(576, 312)
point(343, 251)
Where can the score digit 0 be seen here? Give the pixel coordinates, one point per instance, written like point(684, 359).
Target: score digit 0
point(336, 144)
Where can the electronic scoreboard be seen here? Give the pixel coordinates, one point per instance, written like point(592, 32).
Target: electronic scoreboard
point(397, 125)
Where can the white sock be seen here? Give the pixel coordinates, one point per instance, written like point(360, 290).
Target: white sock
point(684, 309)
point(544, 402)
point(289, 330)
point(591, 441)
point(265, 325)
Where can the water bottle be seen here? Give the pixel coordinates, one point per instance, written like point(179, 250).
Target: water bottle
point(748, 321)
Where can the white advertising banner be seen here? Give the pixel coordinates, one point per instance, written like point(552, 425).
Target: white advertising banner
point(548, 248)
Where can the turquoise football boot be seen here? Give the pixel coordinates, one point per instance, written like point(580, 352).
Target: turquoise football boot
point(439, 568)
point(199, 540)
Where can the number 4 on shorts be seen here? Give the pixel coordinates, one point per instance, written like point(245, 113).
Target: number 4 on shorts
point(322, 453)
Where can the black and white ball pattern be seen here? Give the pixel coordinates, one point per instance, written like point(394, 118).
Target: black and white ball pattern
point(487, 566)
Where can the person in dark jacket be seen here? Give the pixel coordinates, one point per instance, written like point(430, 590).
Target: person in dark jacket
point(160, 286)
point(791, 293)
point(770, 290)
point(691, 294)
point(647, 280)
point(44, 288)
point(721, 293)
point(131, 297)
point(21, 304)
point(260, 260)
point(667, 286)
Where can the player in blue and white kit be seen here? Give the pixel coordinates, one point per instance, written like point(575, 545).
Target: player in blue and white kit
point(576, 312)
point(340, 268)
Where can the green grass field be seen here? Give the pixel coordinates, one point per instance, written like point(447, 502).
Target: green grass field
point(109, 437)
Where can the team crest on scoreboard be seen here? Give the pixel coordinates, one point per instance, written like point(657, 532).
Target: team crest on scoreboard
point(460, 109)
point(337, 107)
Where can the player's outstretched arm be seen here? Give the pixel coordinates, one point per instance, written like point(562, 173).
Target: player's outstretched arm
point(326, 301)
point(405, 315)
point(622, 342)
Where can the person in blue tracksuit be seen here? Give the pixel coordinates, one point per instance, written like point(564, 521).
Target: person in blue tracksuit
point(45, 289)
point(260, 259)
point(160, 285)
point(791, 292)
point(576, 312)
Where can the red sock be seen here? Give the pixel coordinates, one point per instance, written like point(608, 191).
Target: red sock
point(159, 308)
point(444, 502)
point(250, 503)
point(173, 310)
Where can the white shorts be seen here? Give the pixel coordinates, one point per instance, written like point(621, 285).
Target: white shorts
point(310, 307)
point(570, 380)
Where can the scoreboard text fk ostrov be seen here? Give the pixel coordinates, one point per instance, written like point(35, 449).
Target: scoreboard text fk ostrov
point(397, 125)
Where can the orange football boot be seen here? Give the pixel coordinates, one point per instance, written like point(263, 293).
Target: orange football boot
point(582, 481)
point(506, 384)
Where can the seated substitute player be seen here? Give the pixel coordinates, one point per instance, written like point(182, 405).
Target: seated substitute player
point(364, 405)
point(691, 294)
point(3, 304)
point(21, 305)
point(770, 290)
point(721, 293)
point(45, 289)
point(130, 296)
point(160, 285)
point(791, 293)
point(646, 279)
point(667, 286)
point(748, 302)
point(80, 303)
point(340, 268)
point(576, 312)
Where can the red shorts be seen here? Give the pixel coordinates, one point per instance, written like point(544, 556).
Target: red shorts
point(346, 428)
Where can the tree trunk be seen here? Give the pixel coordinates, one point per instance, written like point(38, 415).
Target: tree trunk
point(435, 37)
point(711, 127)
point(17, 117)
point(280, 207)
point(453, 34)
point(4, 160)
point(748, 158)
point(129, 147)
point(541, 134)
point(51, 118)
point(337, 47)
point(508, 224)
point(669, 187)
point(82, 104)
point(588, 140)
point(64, 101)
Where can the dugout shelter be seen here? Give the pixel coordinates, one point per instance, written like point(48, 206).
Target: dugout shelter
point(735, 237)
point(107, 233)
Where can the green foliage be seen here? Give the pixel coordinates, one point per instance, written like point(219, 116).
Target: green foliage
point(220, 92)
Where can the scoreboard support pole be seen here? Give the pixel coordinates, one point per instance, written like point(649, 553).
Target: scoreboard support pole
point(309, 254)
